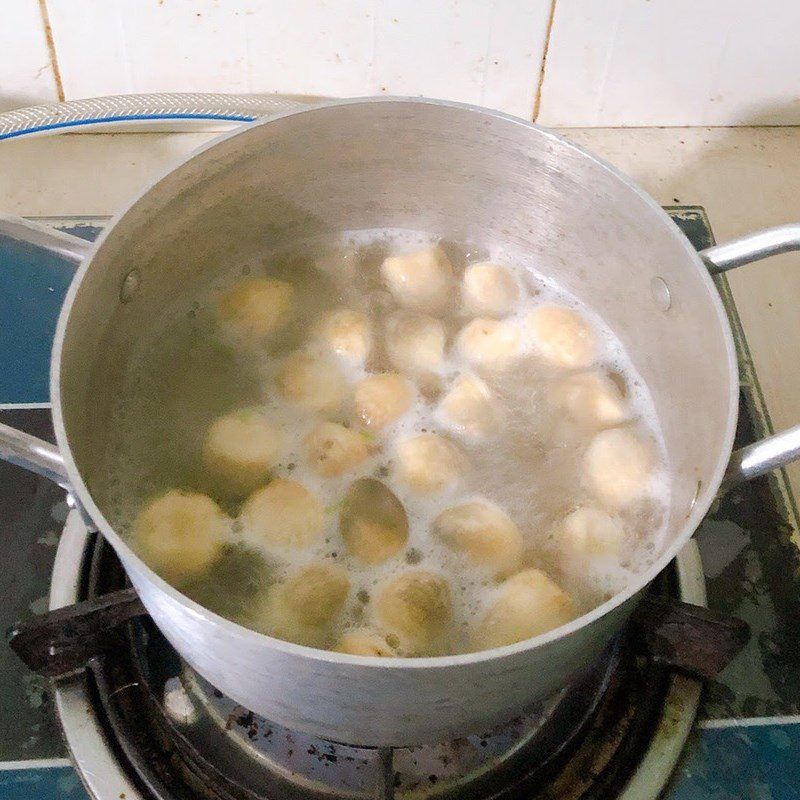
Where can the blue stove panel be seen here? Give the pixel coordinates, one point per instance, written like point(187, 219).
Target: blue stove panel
point(33, 283)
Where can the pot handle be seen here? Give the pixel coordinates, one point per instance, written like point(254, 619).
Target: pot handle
point(36, 455)
point(781, 448)
point(747, 462)
point(16, 446)
point(69, 248)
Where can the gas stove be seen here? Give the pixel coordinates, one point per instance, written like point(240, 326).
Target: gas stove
point(138, 723)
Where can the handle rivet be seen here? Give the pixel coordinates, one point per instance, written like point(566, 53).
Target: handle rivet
point(130, 286)
point(659, 291)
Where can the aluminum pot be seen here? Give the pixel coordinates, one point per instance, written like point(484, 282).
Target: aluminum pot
point(455, 171)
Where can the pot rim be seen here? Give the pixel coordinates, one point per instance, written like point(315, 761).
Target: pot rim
point(705, 497)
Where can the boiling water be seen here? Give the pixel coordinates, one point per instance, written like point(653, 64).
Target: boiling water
point(185, 374)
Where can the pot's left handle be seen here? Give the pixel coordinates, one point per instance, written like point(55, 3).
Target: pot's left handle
point(36, 455)
point(70, 248)
point(16, 446)
point(780, 448)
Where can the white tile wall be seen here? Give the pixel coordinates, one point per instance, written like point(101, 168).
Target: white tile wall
point(479, 51)
point(482, 52)
point(673, 62)
point(206, 45)
point(26, 75)
point(609, 62)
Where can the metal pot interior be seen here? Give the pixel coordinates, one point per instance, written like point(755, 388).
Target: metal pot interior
point(454, 171)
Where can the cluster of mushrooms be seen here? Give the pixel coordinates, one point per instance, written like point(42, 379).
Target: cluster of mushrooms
point(351, 415)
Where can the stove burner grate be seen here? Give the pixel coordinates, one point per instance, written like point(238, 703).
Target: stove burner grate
point(182, 739)
point(167, 733)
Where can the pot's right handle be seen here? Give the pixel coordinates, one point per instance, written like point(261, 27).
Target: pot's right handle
point(780, 448)
point(16, 446)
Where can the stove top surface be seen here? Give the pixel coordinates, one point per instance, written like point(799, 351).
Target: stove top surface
point(747, 740)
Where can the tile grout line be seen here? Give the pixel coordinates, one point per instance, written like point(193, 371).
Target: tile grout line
point(51, 49)
point(487, 52)
point(748, 722)
point(537, 98)
point(35, 763)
